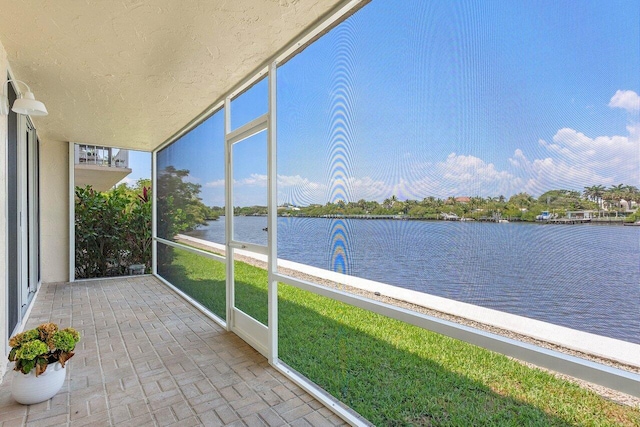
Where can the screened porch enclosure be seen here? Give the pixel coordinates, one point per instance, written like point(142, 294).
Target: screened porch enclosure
point(362, 211)
point(295, 160)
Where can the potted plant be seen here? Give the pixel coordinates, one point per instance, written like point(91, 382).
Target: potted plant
point(40, 355)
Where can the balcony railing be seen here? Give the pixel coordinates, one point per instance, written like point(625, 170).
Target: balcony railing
point(101, 156)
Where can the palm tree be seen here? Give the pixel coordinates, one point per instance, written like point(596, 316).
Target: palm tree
point(521, 200)
point(388, 203)
point(614, 194)
point(409, 203)
point(598, 192)
point(632, 193)
point(595, 193)
point(589, 193)
point(475, 202)
point(429, 202)
point(617, 188)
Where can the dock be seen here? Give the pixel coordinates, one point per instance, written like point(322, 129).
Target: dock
point(362, 216)
point(568, 221)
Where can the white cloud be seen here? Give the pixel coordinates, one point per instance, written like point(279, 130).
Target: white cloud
point(285, 181)
point(550, 173)
point(611, 156)
point(634, 133)
point(518, 159)
point(601, 153)
point(368, 188)
point(570, 159)
point(457, 175)
point(261, 181)
point(573, 160)
point(215, 184)
point(626, 99)
point(254, 180)
point(127, 180)
point(470, 176)
point(299, 191)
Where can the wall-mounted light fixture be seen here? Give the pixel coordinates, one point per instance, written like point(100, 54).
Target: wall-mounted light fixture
point(26, 104)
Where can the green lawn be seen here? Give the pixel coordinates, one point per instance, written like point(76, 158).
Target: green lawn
point(393, 373)
point(201, 278)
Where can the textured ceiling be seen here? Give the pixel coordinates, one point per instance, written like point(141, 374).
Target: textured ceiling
point(131, 73)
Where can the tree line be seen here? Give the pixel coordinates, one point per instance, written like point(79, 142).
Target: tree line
point(521, 206)
point(113, 228)
point(608, 197)
point(180, 208)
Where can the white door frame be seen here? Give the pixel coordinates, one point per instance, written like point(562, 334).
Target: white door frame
point(262, 337)
point(33, 210)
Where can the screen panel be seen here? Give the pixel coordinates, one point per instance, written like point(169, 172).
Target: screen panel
point(201, 278)
point(455, 150)
point(191, 180)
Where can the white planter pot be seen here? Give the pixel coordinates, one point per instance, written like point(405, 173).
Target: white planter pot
point(29, 389)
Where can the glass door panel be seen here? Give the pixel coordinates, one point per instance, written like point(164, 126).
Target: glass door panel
point(13, 223)
point(250, 224)
point(250, 190)
point(250, 284)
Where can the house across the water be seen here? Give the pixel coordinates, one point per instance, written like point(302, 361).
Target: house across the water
point(582, 214)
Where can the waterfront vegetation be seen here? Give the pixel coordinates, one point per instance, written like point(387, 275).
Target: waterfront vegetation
point(616, 201)
point(394, 373)
point(180, 208)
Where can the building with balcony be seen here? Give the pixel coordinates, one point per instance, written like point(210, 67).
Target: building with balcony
point(99, 167)
point(201, 86)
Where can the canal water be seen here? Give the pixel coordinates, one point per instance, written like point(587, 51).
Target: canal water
point(585, 277)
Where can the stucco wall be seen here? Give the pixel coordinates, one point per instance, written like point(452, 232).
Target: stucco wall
point(54, 210)
point(3, 225)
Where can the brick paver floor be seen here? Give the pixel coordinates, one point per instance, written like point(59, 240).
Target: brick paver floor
point(148, 358)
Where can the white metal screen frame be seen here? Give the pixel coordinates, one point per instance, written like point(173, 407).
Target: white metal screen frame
point(254, 332)
point(72, 214)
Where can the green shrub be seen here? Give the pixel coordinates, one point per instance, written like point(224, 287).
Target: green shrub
point(112, 231)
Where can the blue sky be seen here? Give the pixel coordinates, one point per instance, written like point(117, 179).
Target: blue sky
point(429, 98)
point(140, 164)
